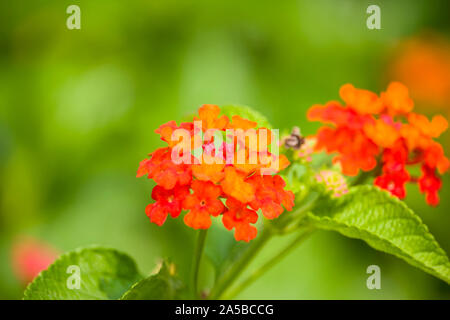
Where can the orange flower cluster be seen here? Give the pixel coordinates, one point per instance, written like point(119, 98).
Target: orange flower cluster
point(369, 129)
point(219, 178)
point(423, 64)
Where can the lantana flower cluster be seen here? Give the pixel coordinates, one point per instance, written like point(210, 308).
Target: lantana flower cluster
point(372, 131)
point(211, 168)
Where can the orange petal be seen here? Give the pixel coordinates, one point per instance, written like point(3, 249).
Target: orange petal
point(361, 100)
point(143, 168)
point(432, 128)
point(197, 219)
point(208, 172)
point(383, 134)
point(271, 209)
point(240, 123)
point(156, 214)
point(245, 232)
point(209, 113)
point(396, 99)
point(235, 186)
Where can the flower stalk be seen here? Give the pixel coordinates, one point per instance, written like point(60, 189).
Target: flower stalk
point(239, 266)
point(303, 235)
point(233, 273)
point(198, 253)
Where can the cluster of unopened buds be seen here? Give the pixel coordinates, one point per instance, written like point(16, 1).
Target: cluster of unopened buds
point(381, 133)
point(215, 166)
point(333, 181)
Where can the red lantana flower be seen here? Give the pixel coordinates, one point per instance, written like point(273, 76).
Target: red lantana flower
point(167, 201)
point(234, 179)
point(270, 195)
point(430, 184)
point(239, 217)
point(202, 204)
point(370, 130)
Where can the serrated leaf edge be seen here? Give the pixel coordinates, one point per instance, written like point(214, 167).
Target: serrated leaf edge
point(407, 256)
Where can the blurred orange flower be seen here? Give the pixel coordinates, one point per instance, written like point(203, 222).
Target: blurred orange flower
point(369, 125)
point(422, 63)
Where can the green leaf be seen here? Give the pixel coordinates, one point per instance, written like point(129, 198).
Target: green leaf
point(386, 224)
point(247, 113)
point(103, 273)
point(162, 286)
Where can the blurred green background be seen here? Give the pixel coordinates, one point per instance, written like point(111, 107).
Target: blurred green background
point(78, 109)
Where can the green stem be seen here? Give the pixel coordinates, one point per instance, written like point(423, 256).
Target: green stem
point(269, 264)
point(237, 268)
point(233, 273)
point(199, 246)
point(307, 205)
